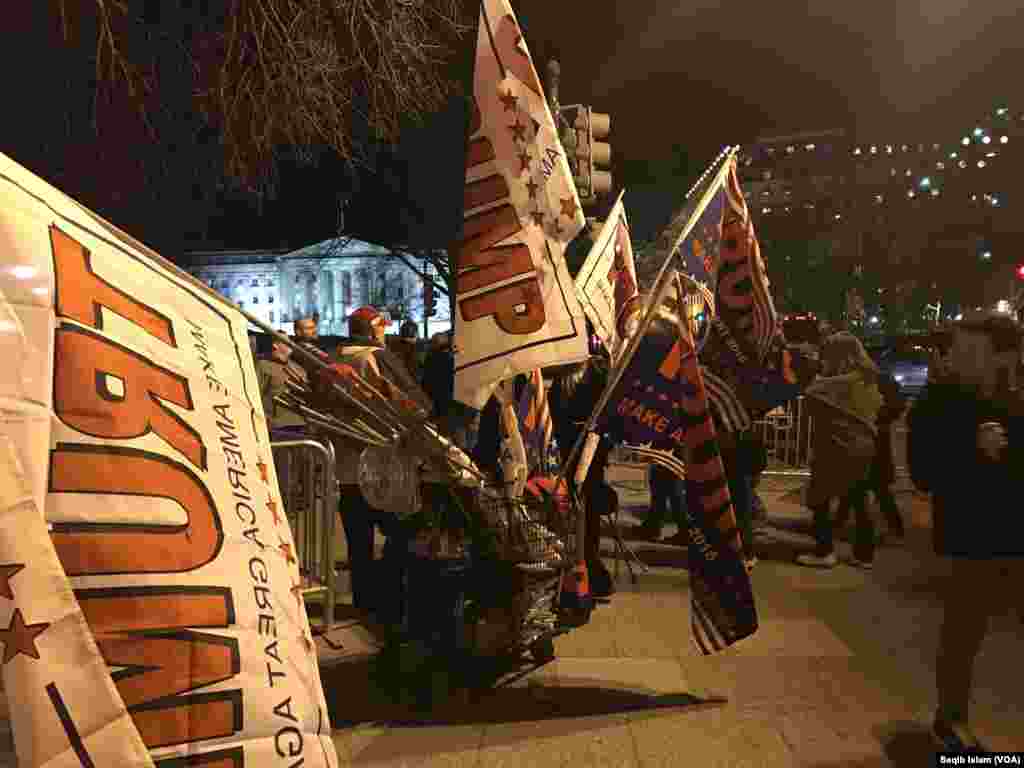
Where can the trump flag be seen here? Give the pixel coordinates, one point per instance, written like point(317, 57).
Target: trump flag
point(150, 604)
point(516, 307)
point(606, 283)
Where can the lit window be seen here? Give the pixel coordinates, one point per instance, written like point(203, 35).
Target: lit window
point(874, 149)
point(904, 147)
point(908, 173)
point(1004, 139)
point(962, 163)
point(986, 139)
point(809, 147)
point(981, 163)
point(766, 210)
point(974, 198)
point(790, 150)
point(910, 193)
point(839, 216)
point(879, 199)
point(940, 165)
point(856, 151)
point(965, 141)
point(935, 192)
point(888, 149)
point(953, 155)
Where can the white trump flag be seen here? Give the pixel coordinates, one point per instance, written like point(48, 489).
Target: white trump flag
point(150, 610)
point(606, 283)
point(516, 307)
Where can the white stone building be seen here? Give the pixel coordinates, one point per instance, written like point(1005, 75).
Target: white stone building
point(331, 278)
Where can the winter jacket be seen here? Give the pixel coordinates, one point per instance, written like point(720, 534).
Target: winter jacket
point(976, 502)
point(273, 377)
point(370, 361)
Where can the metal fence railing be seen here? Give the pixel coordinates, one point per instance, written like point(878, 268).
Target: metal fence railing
point(309, 489)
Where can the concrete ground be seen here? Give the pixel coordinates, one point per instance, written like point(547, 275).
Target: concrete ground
point(840, 672)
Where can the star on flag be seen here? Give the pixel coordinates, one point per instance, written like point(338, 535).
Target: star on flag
point(272, 506)
point(532, 186)
point(20, 637)
point(524, 160)
point(286, 550)
point(569, 207)
point(6, 574)
point(518, 131)
point(510, 100)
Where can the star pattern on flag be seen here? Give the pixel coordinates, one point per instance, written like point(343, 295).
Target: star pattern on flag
point(569, 207)
point(286, 550)
point(524, 160)
point(7, 572)
point(510, 100)
point(20, 638)
point(262, 467)
point(532, 187)
point(272, 506)
point(518, 131)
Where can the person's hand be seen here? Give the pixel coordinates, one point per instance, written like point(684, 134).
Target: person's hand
point(992, 440)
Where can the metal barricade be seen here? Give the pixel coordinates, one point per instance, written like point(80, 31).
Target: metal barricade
point(310, 495)
point(786, 432)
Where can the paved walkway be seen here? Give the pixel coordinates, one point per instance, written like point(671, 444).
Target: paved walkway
point(839, 674)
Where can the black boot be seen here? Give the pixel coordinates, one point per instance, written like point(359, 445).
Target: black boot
point(601, 582)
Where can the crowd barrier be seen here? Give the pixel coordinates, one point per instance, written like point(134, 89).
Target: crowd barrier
point(309, 489)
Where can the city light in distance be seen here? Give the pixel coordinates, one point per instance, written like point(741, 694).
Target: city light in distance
point(926, 182)
point(981, 163)
point(978, 131)
point(1004, 139)
point(986, 139)
point(965, 141)
point(986, 256)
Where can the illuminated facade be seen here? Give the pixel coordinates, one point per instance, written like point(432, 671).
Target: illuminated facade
point(330, 279)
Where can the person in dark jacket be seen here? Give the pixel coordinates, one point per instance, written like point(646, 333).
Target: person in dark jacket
point(883, 470)
point(966, 448)
point(364, 351)
point(458, 420)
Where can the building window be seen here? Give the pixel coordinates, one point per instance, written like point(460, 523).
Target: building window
point(270, 299)
point(382, 288)
point(271, 316)
point(255, 283)
point(255, 299)
point(241, 304)
point(399, 287)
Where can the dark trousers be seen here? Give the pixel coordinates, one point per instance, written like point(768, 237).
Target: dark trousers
point(824, 525)
point(373, 588)
point(742, 495)
point(886, 504)
point(977, 590)
point(668, 496)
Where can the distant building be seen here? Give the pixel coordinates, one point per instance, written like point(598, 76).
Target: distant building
point(331, 279)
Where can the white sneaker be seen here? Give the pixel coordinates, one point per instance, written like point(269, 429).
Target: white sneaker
point(818, 561)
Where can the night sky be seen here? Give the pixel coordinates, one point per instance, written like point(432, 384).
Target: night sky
point(680, 79)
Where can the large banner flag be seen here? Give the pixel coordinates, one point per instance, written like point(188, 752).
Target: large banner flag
point(662, 406)
point(606, 283)
point(516, 306)
point(749, 370)
point(150, 598)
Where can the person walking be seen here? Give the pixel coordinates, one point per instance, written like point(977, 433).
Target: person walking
point(844, 404)
point(965, 446)
point(882, 472)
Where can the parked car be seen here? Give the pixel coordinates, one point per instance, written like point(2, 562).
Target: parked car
point(907, 359)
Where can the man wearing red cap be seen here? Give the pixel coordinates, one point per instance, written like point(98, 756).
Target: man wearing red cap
point(365, 352)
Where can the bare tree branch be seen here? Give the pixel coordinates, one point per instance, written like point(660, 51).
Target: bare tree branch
point(290, 75)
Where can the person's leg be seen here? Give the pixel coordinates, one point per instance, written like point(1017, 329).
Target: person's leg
point(824, 555)
point(966, 610)
point(739, 491)
point(655, 519)
point(355, 518)
point(864, 540)
point(889, 509)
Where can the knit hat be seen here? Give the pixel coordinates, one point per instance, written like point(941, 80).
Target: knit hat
point(363, 320)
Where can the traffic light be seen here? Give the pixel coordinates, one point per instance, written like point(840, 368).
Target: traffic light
point(429, 299)
point(593, 155)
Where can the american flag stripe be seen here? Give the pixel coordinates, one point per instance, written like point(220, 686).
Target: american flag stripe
point(731, 413)
point(704, 631)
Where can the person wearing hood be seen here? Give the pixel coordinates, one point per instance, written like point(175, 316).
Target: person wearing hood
point(965, 446)
point(364, 352)
point(844, 404)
